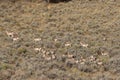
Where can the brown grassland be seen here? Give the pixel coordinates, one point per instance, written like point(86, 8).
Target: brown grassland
point(74, 40)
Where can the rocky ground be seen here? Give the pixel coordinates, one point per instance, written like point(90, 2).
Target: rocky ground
point(75, 40)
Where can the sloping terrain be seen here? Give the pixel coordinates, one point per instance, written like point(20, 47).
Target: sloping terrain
point(75, 40)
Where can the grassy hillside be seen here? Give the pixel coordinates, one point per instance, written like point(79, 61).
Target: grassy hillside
point(75, 40)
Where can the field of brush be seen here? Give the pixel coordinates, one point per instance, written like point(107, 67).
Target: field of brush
point(75, 40)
